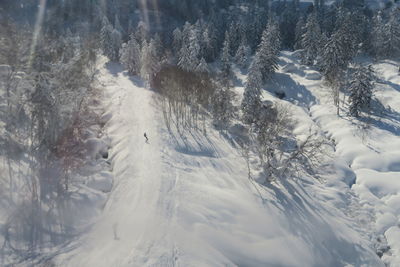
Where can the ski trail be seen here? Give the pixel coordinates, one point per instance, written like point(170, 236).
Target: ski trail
point(132, 206)
point(139, 224)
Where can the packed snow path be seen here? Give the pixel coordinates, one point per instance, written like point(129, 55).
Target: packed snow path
point(130, 215)
point(185, 200)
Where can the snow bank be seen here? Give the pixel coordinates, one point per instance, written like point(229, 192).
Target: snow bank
point(366, 160)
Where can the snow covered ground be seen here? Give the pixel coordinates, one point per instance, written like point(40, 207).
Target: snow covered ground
point(186, 199)
point(367, 151)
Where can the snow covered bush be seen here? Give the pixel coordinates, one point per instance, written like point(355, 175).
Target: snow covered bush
point(281, 154)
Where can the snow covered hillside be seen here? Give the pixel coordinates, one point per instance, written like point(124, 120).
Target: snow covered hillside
point(186, 199)
point(366, 152)
point(163, 133)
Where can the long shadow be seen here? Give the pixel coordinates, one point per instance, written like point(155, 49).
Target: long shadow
point(393, 85)
point(114, 68)
point(203, 147)
point(136, 81)
point(381, 118)
point(294, 92)
point(313, 224)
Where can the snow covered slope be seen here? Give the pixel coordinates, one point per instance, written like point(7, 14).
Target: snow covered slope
point(367, 151)
point(185, 200)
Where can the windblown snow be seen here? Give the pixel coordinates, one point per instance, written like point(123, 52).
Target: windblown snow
point(186, 199)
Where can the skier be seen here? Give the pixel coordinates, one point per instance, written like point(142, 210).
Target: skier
point(145, 136)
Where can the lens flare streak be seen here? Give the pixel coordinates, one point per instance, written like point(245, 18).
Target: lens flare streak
point(37, 30)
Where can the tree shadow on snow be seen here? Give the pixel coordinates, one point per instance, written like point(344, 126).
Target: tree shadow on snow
point(114, 68)
point(196, 144)
point(137, 81)
point(314, 224)
point(293, 91)
point(391, 84)
point(380, 117)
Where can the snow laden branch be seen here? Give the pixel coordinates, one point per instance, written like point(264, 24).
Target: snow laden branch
point(46, 115)
point(280, 152)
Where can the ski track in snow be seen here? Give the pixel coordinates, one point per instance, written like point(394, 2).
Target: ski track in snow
point(187, 201)
point(132, 207)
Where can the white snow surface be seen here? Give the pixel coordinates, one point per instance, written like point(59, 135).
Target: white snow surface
point(369, 160)
point(186, 200)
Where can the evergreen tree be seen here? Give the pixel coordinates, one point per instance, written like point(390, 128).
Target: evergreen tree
point(333, 63)
point(184, 60)
point(360, 88)
point(203, 66)
point(144, 60)
point(242, 55)
point(226, 58)
point(210, 43)
point(153, 57)
point(105, 37)
point(130, 56)
point(150, 62)
point(299, 31)
point(158, 45)
point(349, 32)
point(142, 32)
point(391, 41)
point(176, 41)
point(378, 35)
point(234, 38)
point(328, 21)
point(310, 40)
point(256, 27)
point(186, 31)
point(197, 32)
point(268, 50)
point(116, 41)
point(222, 105)
point(333, 60)
point(189, 52)
point(251, 102)
point(287, 25)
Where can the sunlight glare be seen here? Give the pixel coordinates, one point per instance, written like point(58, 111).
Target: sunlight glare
point(37, 30)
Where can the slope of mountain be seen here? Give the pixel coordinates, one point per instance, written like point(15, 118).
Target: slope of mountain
point(186, 199)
